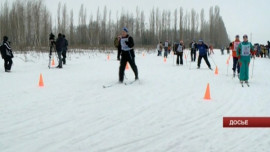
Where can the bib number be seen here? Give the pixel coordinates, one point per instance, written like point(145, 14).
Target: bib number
point(245, 50)
point(235, 45)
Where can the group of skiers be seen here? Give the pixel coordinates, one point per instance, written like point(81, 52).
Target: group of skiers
point(166, 46)
point(178, 49)
point(241, 53)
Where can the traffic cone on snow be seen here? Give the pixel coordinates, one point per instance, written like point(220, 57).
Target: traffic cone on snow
point(227, 62)
point(41, 84)
point(53, 63)
point(108, 57)
point(165, 60)
point(207, 93)
point(185, 56)
point(127, 67)
point(143, 54)
point(216, 71)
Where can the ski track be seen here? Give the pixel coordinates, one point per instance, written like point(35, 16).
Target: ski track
point(165, 112)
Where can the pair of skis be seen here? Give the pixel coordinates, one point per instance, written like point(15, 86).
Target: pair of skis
point(118, 83)
point(242, 83)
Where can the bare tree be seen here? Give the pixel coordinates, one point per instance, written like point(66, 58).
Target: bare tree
point(71, 29)
point(29, 23)
point(181, 22)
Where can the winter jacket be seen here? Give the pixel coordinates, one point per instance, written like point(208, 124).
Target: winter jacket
point(166, 44)
point(192, 45)
point(65, 44)
point(234, 46)
point(60, 44)
point(202, 49)
point(180, 48)
point(126, 44)
point(245, 50)
point(6, 51)
point(159, 47)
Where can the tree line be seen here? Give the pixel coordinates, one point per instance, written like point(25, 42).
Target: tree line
point(28, 25)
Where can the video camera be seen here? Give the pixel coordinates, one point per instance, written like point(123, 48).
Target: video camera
point(52, 39)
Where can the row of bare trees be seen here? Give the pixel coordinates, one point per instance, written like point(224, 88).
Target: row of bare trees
point(29, 23)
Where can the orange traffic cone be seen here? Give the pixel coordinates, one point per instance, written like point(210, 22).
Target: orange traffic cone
point(143, 54)
point(108, 57)
point(53, 63)
point(41, 84)
point(227, 62)
point(165, 59)
point(127, 67)
point(216, 71)
point(207, 93)
point(185, 56)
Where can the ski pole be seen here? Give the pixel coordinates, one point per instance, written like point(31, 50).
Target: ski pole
point(227, 69)
point(190, 65)
point(173, 57)
point(213, 60)
point(252, 67)
point(228, 65)
point(125, 77)
point(185, 57)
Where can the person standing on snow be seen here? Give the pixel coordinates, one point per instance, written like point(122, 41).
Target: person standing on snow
point(193, 51)
point(159, 48)
point(166, 46)
point(179, 52)
point(228, 50)
point(7, 54)
point(203, 54)
point(268, 44)
point(127, 52)
point(244, 51)
point(60, 43)
point(211, 50)
point(234, 46)
point(65, 48)
point(222, 50)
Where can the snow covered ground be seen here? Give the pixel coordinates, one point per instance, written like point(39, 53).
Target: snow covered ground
point(165, 112)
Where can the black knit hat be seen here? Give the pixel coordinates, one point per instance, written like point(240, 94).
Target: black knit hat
point(5, 38)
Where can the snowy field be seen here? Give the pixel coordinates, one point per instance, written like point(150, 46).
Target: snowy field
point(164, 112)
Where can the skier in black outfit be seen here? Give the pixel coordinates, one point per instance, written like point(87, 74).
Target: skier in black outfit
point(59, 48)
point(7, 54)
point(179, 52)
point(64, 53)
point(203, 54)
point(127, 54)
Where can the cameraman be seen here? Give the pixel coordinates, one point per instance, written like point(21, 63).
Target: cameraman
point(59, 48)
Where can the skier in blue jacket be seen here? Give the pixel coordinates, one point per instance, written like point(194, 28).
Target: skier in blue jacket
point(203, 54)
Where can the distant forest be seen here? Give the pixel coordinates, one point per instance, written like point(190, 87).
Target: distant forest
point(29, 23)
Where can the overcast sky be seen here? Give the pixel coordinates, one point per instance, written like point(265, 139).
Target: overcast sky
point(240, 16)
